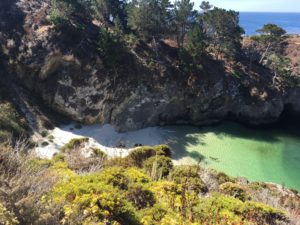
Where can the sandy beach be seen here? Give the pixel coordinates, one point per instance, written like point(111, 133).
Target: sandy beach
point(103, 137)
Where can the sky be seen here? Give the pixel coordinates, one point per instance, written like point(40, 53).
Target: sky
point(256, 5)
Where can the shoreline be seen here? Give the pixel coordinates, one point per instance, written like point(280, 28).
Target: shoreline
point(288, 35)
point(100, 136)
point(190, 145)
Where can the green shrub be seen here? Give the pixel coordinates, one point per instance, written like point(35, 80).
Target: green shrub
point(163, 150)
point(234, 190)
point(57, 162)
point(181, 193)
point(188, 177)
point(223, 178)
point(117, 179)
point(111, 48)
point(7, 217)
point(11, 122)
point(59, 158)
point(37, 164)
point(87, 200)
point(296, 192)
point(153, 215)
point(4, 135)
point(73, 144)
point(51, 137)
point(61, 12)
point(140, 154)
point(236, 74)
point(158, 167)
point(44, 133)
point(97, 152)
point(168, 193)
point(45, 143)
point(121, 178)
point(140, 196)
point(220, 209)
point(131, 39)
point(257, 186)
point(262, 213)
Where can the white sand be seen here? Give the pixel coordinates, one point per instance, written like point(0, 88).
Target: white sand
point(103, 137)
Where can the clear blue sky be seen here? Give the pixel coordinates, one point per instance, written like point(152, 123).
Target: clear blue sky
point(256, 5)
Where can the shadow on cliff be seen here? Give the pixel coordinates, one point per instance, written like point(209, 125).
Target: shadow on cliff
point(12, 20)
point(12, 17)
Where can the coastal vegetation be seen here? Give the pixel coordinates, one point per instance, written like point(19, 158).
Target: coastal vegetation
point(208, 31)
point(143, 53)
point(11, 121)
point(269, 49)
point(122, 191)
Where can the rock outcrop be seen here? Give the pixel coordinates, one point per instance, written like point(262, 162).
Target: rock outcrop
point(63, 68)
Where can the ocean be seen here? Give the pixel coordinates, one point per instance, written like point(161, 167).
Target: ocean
point(251, 21)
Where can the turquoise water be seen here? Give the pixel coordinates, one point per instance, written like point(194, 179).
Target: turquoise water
point(251, 21)
point(268, 155)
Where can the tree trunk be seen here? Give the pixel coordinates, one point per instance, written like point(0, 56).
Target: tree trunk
point(265, 53)
point(155, 47)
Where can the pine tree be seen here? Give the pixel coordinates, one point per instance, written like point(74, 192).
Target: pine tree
point(183, 19)
point(151, 19)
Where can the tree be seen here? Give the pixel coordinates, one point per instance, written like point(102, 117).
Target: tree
point(223, 31)
point(196, 42)
point(67, 12)
point(183, 19)
point(110, 11)
point(272, 29)
point(60, 12)
point(150, 18)
point(111, 50)
point(205, 6)
point(270, 40)
point(280, 66)
point(270, 47)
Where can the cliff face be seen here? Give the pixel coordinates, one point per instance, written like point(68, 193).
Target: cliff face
point(63, 67)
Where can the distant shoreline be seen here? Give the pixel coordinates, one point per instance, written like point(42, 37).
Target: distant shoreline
point(270, 12)
point(288, 35)
point(252, 21)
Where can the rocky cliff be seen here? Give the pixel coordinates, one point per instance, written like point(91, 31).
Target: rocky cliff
point(62, 66)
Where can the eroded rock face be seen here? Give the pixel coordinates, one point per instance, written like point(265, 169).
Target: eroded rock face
point(62, 66)
point(292, 100)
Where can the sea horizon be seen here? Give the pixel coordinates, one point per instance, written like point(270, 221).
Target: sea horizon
point(267, 12)
point(252, 21)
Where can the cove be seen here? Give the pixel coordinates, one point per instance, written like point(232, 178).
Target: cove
point(267, 155)
point(259, 154)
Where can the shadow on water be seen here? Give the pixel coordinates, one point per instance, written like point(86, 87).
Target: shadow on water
point(181, 138)
point(185, 137)
point(234, 130)
point(290, 162)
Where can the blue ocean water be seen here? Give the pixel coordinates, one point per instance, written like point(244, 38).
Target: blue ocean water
point(251, 21)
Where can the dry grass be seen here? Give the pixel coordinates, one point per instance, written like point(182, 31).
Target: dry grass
point(293, 52)
point(22, 185)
